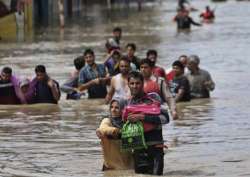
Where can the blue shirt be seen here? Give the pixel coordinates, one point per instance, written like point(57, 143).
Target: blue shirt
point(87, 74)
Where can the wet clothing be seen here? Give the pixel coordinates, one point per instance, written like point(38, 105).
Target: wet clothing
point(197, 87)
point(68, 87)
point(15, 82)
point(8, 94)
point(184, 22)
point(158, 71)
point(112, 44)
point(136, 61)
point(207, 15)
point(151, 85)
point(43, 93)
point(150, 160)
point(180, 83)
point(113, 68)
point(159, 86)
point(87, 74)
point(111, 146)
point(121, 87)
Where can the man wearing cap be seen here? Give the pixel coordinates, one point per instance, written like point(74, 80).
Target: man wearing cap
point(200, 81)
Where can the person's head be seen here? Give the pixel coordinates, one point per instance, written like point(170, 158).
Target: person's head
point(89, 57)
point(135, 83)
point(116, 55)
point(131, 48)
point(6, 74)
point(24, 85)
point(183, 59)
point(152, 55)
point(124, 65)
point(41, 74)
point(116, 107)
point(146, 67)
point(79, 62)
point(207, 8)
point(193, 63)
point(185, 12)
point(117, 33)
point(178, 68)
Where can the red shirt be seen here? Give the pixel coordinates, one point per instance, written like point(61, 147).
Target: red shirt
point(158, 72)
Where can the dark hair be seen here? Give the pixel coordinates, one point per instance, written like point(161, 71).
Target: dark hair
point(7, 70)
point(148, 62)
point(135, 75)
point(40, 69)
point(116, 52)
point(79, 62)
point(183, 56)
point(178, 64)
point(132, 45)
point(117, 29)
point(88, 51)
point(124, 58)
point(151, 52)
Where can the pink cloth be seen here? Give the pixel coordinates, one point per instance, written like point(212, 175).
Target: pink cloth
point(147, 109)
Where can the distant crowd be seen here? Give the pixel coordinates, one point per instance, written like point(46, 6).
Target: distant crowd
point(183, 81)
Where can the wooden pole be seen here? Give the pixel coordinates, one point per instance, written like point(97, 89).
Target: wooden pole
point(61, 13)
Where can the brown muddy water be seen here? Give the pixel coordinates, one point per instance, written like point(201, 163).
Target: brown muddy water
point(211, 138)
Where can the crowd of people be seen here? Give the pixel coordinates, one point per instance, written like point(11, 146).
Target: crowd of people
point(122, 80)
point(41, 89)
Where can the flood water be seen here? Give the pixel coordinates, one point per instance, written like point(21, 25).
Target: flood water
point(211, 138)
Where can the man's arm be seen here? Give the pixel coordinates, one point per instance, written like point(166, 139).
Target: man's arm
point(70, 85)
point(85, 86)
point(111, 91)
point(163, 118)
point(54, 89)
point(179, 95)
point(209, 84)
point(195, 23)
point(167, 96)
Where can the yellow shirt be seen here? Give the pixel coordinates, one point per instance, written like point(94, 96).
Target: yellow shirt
point(112, 155)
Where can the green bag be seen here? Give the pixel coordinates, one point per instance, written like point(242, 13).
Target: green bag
point(132, 136)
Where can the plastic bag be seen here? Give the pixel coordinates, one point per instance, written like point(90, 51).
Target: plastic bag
point(132, 136)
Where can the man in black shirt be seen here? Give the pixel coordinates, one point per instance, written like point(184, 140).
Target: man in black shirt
point(46, 89)
point(179, 86)
point(184, 21)
point(131, 49)
point(7, 88)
